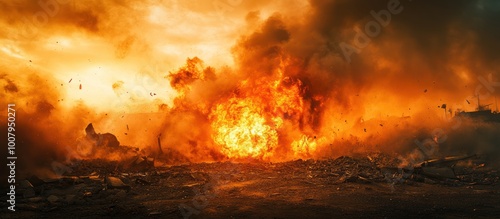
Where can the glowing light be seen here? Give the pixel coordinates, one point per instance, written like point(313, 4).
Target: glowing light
point(248, 123)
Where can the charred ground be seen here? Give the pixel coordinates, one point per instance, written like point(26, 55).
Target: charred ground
point(361, 186)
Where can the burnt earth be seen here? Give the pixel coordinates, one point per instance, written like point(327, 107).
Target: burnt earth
point(346, 187)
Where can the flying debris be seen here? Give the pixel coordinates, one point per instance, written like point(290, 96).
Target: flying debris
point(101, 140)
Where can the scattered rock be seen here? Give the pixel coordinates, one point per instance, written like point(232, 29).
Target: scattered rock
point(116, 183)
point(53, 199)
point(142, 182)
point(154, 213)
point(139, 163)
point(87, 194)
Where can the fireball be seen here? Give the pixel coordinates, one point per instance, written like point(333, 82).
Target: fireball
point(248, 123)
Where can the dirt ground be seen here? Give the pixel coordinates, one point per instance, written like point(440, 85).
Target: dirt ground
point(339, 188)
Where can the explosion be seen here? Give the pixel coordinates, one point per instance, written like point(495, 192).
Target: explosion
point(241, 129)
point(248, 123)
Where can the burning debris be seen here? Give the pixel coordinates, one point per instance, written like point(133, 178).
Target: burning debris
point(101, 140)
point(96, 145)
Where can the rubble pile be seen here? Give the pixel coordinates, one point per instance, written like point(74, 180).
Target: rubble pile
point(92, 182)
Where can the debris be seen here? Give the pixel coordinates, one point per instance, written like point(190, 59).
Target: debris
point(363, 179)
point(192, 184)
point(80, 86)
point(142, 182)
point(159, 144)
point(154, 213)
point(53, 199)
point(104, 181)
point(446, 161)
point(481, 191)
point(370, 158)
point(139, 163)
point(101, 140)
point(345, 179)
point(439, 172)
point(116, 183)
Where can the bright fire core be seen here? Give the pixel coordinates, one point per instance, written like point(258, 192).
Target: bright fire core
point(248, 123)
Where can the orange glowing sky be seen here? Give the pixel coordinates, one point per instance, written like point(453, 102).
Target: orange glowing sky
point(136, 43)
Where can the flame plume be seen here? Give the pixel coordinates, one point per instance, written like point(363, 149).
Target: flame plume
point(249, 121)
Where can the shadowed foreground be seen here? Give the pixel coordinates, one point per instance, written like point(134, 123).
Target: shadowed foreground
point(342, 188)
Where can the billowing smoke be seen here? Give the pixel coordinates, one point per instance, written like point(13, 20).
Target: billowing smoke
point(44, 131)
point(375, 75)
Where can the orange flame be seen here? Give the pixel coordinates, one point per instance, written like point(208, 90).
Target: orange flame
point(248, 123)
